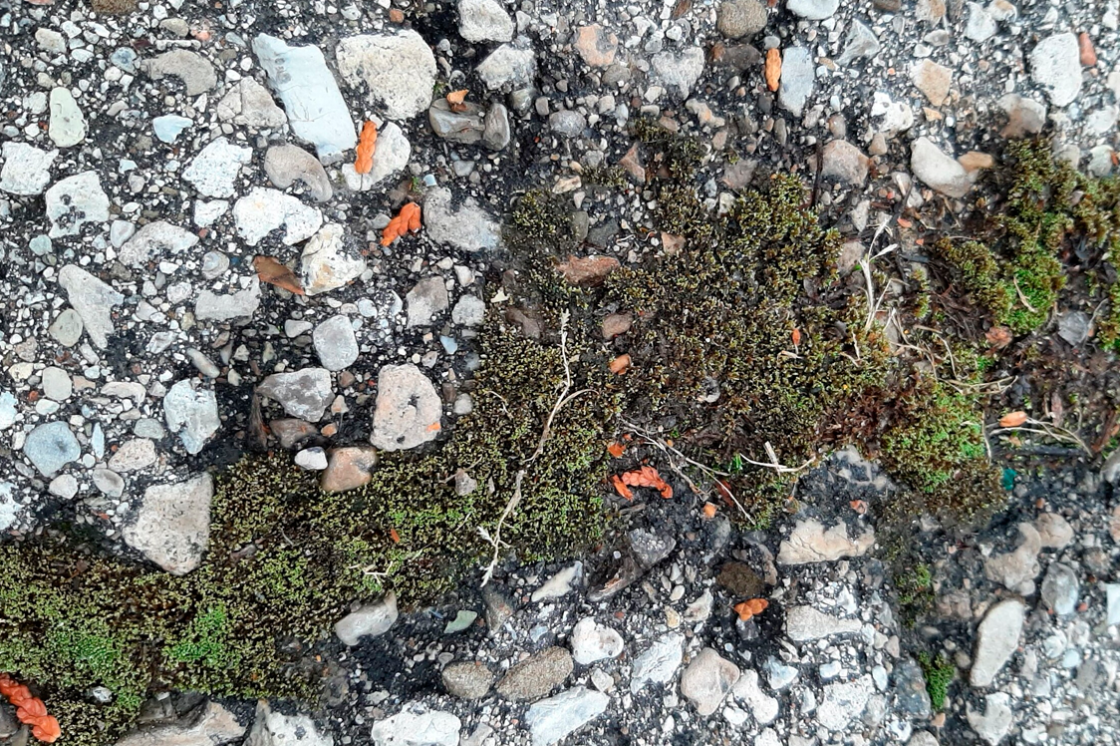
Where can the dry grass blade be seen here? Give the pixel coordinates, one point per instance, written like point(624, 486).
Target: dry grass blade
point(274, 273)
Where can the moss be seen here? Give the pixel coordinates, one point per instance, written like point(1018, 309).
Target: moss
point(1108, 329)
point(914, 584)
point(939, 672)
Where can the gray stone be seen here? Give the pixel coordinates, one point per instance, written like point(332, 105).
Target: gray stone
point(193, 69)
point(922, 738)
point(67, 327)
point(264, 210)
point(1061, 589)
point(560, 584)
point(1017, 570)
point(567, 123)
point(798, 78)
point(495, 132)
point(739, 18)
point(171, 526)
point(93, 300)
point(592, 642)
point(109, 483)
point(1112, 603)
point(997, 639)
point(316, 111)
point(650, 548)
point(1055, 65)
point(469, 311)
point(1074, 327)
point(995, 722)
point(510, 64)
point(50, 447)
point(214, 170)
point(311, 459)
point(335, 343)
point(1024, 116)
point(134, 455)
point(553, 719)
point(416, 725)
point(813, 10)
point(249, 103)
point(844, 162)
point(326, 264)
point(56, 383)
point(271, 728)
point(155, 240)
point(75, 201)
point(371, 620)
point(778, 674)
point(168, 127)
point(938, 170)
point(27, 170)
point(408, 410)
point(68, 125)
point(467, 227)
point(464, 127)
point(9, 509)
point(981, 26)
point(484, 20)
point(390, 158)
point(910, 690)
point(303, 393)
point(192, 413)
point(762, 705)
point(679, 71)
point(467, 680)
point(209, 724)
point(237, 307)
point(427, 298)
point(287, 164)
point(804, 624)
point(537, 675)
point(9, 410)
point(861, 42)
point(842, 703)
point(707, 680)
point(810, 542)
point(1054, 532)
point(398, 69)
point(658, 663)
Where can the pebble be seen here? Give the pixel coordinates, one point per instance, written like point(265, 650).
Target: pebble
point(995, 722)
point(997, 638)
point(312, 459)
point(300, 77)
point(250, 104)
point(739, 18)
point(804, 624)
point(335, 343)
point(484, 20)
point(860, 43)
point(156, 239)
point(1024, 116)
point(596, 46)
point(51, 446)
point(56, 383)
point(348, 468)
point(537, 675)
point(171, 525)
point(468, 226)
point(264, 210)
point(679, 71)
point(464, 126)
point(567, 123)
point(707, 680)
point(910, 689)
point(214, 170)
point(26, 170)
point(813, 10)
point(191, 412)
point(271, 728)
point(134, 455)
point(75, 201)
point(194, 70)
point(64, 486)
point(797, 80)
point(778, 674)
point(304, 393)
point(408, 410)
point(1017, 570)
point(762, 706)
point(93, 300)
point(236, 307)
point(553, 719)
point(1055, 65)
point(593, 642)
point(417, 726)
point(370, 620)
point(168, 127)
point(399, 70)
point(558, 585)
point(327, 263)
point(981, 25)
point(810, 542)
point(658, 663)
point(468, 311)
point(1061, 589)
point(933, 80)
point(844, 702)
point(844, 162)
point(427, 299)
point(390, 158)
point(467, 680)
point(286, 164)
point(508, 65)
point(938, 170)
point(68, 125)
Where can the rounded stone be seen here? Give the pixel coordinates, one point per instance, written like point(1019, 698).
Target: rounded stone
point(335, 343)
point(739, 18)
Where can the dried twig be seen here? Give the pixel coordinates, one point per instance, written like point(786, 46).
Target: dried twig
point(1044, 428)
point(777, 465)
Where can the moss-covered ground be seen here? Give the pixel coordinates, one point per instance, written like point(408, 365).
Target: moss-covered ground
point(747, 348)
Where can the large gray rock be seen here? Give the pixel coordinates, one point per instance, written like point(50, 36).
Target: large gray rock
point(484, 20)
point(249, 103)
point(996, 640)
point(286, 164)
point(68, 124)
point(658, 663)
point(209, 724)
point(93, 300)
point(192, 413)
point(427, 299)
point(416, 725)
point(237, 307)
point(995, 722)
point(171, 526)
point(467, 227)
point(810, 542)
point(155, 240)
point(1055, 65)
point(371, 620)
point(303, 393)
point(938, 170)
point(1017, 570)
point(813, 10)
point(193, 69)
point(804, 624)
point(50, 447)
point(679, 71)
point(553, 719)
point(75, 201)
point(707, 680)
point(537, 675)
point(408, 410)
point(844, 702)
point(271, 728)
point(317, 113)
point(326, 264)
point(27, 170)
point(798, 78)
point(335, 343)
point(213, 172)
point(398, 69)
point(512, 64)
point(264, 210)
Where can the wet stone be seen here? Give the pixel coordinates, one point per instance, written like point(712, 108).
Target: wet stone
point(537, 675)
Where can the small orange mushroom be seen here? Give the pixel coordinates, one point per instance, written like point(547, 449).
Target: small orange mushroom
point(367, 143)
point(30, 710)
point(751, 608)
point(773, 68)
point(407, 220)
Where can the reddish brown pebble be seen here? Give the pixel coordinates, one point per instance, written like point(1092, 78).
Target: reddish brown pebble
point(396, 16)
point(1088, 54)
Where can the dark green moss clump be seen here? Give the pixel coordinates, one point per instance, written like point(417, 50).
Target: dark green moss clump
point(939, 672)
point(286, 560)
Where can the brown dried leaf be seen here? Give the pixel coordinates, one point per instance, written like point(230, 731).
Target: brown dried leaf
point(274, 273)
point(457, 100)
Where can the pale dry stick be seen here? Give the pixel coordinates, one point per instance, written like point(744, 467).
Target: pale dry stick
point(563, 398)
point(1052, 431)
point(1022, 298)
point(777, 465)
